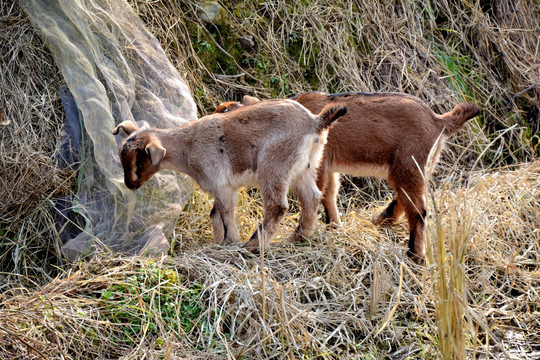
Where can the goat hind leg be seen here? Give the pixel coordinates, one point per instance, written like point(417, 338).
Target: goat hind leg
point(416, 211)
point(389, 215)
point(329, 200)
point(308, 195)
point(275, 208)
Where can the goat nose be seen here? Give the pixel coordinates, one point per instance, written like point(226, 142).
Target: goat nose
point(133, 185)
point(129, 184)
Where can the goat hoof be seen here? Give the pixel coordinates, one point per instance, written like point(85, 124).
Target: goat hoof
point(419, 260)
point(382, 220)
point(297, 238)
point(334, 227)
point(252, 246)
point(300, 234)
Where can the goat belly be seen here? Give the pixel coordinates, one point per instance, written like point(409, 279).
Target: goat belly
point(362, 170)
point(245, 178)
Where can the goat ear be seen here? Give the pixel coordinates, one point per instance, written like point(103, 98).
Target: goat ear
point(249, 100)
point(155, 151)
point(126, 126)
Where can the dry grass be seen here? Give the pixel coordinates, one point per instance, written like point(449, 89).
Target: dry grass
point(344, 294)
point(443, 53)
point(341, 295)
point(30, 109)
point(31, 120)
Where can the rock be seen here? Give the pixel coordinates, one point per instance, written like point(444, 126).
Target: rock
point(212, 12)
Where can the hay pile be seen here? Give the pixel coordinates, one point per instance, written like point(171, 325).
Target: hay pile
point(342, 294)
point(31, 120)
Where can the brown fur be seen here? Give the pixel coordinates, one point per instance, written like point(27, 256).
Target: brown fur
point(383, 134)
point(273, 144)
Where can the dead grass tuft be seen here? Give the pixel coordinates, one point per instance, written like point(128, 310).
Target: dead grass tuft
point(31, 119)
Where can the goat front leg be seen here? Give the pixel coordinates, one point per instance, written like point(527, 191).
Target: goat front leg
point(275, 206)
point(223, 218)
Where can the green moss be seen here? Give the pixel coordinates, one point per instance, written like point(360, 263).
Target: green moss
point(280, 84)
point(241, 10)
point(205, 45)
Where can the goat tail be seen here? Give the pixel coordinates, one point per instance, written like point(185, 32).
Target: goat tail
point(329, 114)
point(456, 118)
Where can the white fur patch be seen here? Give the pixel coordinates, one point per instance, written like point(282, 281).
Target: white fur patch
point(304, 170)
point(310, 153)
point(246, 178)
point(435, 153)
point(305, 183)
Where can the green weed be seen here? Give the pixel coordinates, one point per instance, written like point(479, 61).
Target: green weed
point(151, 298)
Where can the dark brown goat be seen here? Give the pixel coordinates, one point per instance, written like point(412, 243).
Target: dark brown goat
point(387, 135)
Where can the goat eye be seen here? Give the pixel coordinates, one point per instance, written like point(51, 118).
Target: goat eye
point(140, 165)
point(225, 110)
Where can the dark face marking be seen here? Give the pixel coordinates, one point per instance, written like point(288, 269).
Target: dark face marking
point(136, 163)
point(141, 162)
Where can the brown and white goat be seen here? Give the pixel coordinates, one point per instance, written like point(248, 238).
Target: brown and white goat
point(272, 144)
point(387, 135)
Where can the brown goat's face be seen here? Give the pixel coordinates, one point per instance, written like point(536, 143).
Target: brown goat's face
point(233, 105)
point(227, 106)
point(136, 155)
